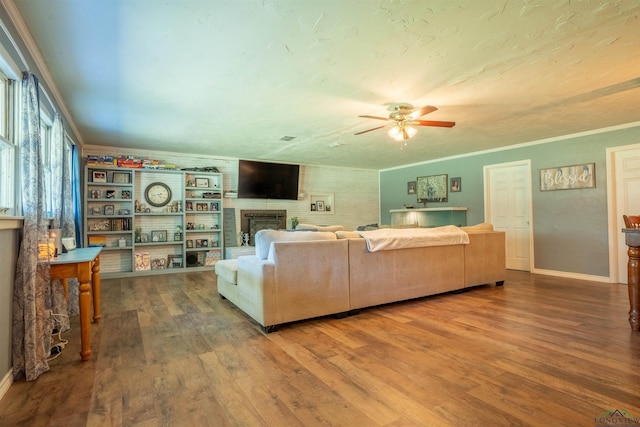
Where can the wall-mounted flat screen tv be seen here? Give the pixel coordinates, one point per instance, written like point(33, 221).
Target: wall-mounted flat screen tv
point(263, 180)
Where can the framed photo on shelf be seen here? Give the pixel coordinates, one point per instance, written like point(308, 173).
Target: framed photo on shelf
point(205, 243)
point(198, 243)
point(96, 194)
point(158, 264)
point(174, 261)
point(144, 238)
point(99, 176)
point(110, 194)
point(121, 178)
point(202, 207)
point(125, 194)
point(189, 205)
point(159, 236)
point(177, 236)
point(455, 185)
point(202, 182)
point(95, 211)
point(214, 206)
point(123, 212)
point(189, 243)
point(320, 205)
point(109, 209)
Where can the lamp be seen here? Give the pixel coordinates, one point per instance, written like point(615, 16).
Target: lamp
point(400, 132)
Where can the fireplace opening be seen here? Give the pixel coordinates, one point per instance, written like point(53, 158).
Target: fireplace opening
point(252, 221)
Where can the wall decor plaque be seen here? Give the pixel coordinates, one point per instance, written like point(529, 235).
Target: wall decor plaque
point(568, 177)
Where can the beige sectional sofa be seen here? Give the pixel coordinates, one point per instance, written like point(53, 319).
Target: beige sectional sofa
point(305, 274)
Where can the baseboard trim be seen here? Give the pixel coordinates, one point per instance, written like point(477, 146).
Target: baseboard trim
point(569, 275)
point(6, 383)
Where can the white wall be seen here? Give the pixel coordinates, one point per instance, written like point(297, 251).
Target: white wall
point(356, 191)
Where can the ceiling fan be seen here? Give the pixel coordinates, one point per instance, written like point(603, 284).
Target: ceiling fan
point(404, 117)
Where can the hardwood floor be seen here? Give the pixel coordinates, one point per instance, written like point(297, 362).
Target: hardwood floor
point(540, 351)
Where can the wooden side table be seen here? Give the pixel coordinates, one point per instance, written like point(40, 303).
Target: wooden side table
point(83, 263)
point(632, 240)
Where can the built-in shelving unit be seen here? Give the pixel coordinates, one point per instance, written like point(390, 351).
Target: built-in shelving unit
point(146, 233)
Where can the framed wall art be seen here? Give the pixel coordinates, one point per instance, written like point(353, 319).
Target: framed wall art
point(568, 177)
point(455, 185)
point(411, 187)
point(433, 188)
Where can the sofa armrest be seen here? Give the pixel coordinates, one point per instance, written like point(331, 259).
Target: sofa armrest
point(256, 289)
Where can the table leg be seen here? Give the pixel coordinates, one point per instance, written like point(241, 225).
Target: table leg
point(95, 283)
point(84, 300)
point(633, 273)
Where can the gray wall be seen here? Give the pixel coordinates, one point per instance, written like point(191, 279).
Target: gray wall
point(570, 226)
point(8, 260)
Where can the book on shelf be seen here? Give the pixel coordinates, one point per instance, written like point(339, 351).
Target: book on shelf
point(211, 257)
point(97, 241)
point(142, 261)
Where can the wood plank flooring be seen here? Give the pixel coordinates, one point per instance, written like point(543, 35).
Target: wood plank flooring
point(540, 351)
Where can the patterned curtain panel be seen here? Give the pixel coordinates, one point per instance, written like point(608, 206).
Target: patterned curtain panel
point(32, 320)
point(57, 171)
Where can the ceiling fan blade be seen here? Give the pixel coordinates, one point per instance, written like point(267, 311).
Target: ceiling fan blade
point(422, 111)
point(375, 117)
point(433, 123)
point(369, 130)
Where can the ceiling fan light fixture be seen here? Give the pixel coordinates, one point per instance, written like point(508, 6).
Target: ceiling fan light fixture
point(402, 133)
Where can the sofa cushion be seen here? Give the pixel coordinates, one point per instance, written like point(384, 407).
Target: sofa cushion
point(348, 235)
point(485, 226)
point(228, 269)
point(332, 228)
point(264, 238)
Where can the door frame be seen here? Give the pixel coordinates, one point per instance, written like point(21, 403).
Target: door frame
point(612, 213)
point(487, 198)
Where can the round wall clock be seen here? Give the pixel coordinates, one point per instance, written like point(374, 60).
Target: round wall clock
point(157, 194)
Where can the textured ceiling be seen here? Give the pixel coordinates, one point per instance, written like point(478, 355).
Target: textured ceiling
point(230, 78)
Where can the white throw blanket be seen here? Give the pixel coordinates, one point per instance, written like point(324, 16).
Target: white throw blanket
point(392, 238)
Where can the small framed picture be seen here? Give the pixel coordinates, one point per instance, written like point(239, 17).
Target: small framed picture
point(110, 194)
point(159, 236)
point(198, 243)
point(320, 205)
point(177, 236)
point(96, 194)
point(190, 243)
point(95, 211)
point(144, 238)
point(174, 261)
point(121, 178)
point(205, 243)
point(202, 207)
point(125, 194)
point(455, 184)
point(411, 187)
point(189, 206)
point(99, 176)
point(214, 206)
point(123, 212)
point(202, 182)
point(108, 209)
point(313, 207)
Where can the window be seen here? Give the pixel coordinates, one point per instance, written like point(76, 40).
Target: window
point(7, 147)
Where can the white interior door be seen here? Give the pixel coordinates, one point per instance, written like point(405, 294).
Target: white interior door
point(627, 199)
point(508, 208)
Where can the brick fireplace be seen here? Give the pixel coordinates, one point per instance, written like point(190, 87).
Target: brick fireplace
point(252, 221)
